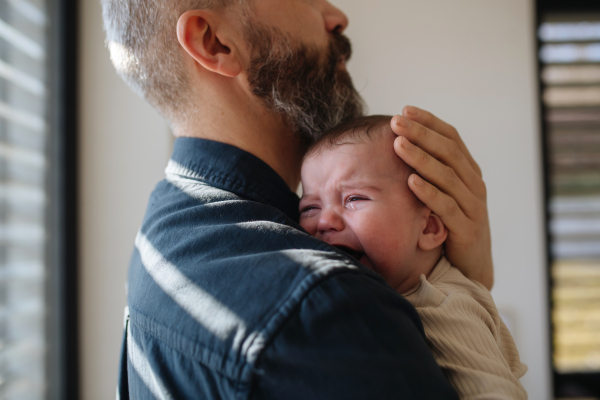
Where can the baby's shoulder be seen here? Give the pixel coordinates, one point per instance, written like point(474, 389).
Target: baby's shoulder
point(453, 280)
point(457, 287)
point(445, 286)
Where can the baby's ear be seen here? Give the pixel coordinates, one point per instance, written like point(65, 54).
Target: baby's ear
point(434, 234)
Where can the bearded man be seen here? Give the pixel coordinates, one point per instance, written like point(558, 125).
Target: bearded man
point(228, 297)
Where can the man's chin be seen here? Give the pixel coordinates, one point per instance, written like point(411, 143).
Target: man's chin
point(343, 76)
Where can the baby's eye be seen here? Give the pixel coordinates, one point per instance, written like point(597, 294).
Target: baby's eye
point(354, 198)
point(352, 202)
point(308, 211)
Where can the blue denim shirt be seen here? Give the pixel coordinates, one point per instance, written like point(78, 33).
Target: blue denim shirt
point(229, 298)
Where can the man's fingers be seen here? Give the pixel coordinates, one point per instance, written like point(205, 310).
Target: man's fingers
point(443, 149)
point(467, 236)
point(432, 122)
point(440, 203)
point(438, 174)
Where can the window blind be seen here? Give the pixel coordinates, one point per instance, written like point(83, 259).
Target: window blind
point(570, 58)
point(23, 198)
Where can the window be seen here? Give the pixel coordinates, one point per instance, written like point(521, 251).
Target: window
point(22, 199)
point(569, 54)
point(36, 201)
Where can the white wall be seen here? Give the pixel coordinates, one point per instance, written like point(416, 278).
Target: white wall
point(124, 147)
point(472, 62)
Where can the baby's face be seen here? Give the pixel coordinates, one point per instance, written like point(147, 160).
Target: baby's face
point(356, 197)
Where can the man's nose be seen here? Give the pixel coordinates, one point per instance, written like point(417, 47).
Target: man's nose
point(335, 20)
point(330, 221)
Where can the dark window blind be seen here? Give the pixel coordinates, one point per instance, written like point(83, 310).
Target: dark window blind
point(23, 198)
point(570, 59)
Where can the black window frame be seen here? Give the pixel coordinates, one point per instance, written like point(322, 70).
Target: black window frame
point(564, 385)
point(62, 361)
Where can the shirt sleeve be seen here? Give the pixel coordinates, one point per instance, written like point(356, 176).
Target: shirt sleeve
point(352, 337)
point(468, 338)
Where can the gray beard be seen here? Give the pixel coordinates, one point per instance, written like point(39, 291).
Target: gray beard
point(313, 96)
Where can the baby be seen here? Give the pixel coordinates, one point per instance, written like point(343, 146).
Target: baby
point(356, 198)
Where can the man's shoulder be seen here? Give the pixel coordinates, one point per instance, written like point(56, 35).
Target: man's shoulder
point(214, 275)
point(198, 225)
point(233, 321)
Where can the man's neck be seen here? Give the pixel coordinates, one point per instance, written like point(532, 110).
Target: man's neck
point(255, 130)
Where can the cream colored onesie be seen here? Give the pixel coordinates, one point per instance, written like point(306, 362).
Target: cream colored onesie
point(468, 339)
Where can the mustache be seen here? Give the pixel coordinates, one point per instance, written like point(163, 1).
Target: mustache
point(340, 47)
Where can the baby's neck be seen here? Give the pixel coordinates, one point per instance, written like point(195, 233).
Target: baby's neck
point(424, 266)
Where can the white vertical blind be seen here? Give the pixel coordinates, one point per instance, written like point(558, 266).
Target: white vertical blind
point(22, 198)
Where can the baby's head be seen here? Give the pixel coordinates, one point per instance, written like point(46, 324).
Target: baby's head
point(356, 197)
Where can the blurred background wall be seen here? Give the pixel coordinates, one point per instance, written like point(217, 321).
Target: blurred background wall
point(470, 62)
point(124, 148)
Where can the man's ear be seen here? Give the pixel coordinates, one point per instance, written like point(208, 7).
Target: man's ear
point(434, 233)
point(208, 42)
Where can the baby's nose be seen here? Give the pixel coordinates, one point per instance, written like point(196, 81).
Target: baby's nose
point(330, 221)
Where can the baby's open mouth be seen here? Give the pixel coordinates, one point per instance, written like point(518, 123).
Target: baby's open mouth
point(352, 253)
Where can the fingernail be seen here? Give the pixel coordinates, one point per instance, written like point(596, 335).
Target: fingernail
point(406, 144)
point(417, 180)
point(400, 120)
point(411, 111)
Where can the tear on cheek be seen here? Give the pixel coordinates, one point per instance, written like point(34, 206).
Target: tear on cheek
point(312, 214)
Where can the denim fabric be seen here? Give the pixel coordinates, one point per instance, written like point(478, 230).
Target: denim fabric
point(230, 299)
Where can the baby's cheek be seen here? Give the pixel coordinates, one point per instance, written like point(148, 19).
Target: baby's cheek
point(308, 225)
point(391, 269)
point(303, 224)
point(377, 247)
point(388, 253)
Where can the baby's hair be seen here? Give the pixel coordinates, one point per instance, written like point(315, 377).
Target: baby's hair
point(359, 130)
point(355, 130)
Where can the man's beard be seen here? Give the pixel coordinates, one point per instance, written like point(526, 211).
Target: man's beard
point(312, 95)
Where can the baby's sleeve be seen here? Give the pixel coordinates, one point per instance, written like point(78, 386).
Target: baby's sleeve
point(468, 338)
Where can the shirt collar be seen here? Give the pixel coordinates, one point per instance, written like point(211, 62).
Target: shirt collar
point(230, 168)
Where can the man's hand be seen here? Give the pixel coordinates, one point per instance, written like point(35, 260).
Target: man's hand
point(452, 188)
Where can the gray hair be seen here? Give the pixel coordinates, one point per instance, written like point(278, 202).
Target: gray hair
point(142, 39)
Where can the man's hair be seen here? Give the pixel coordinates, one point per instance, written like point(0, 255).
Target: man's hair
point(142, 38)
point(353, 131)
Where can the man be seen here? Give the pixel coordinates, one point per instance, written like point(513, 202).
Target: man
point(228, 296)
